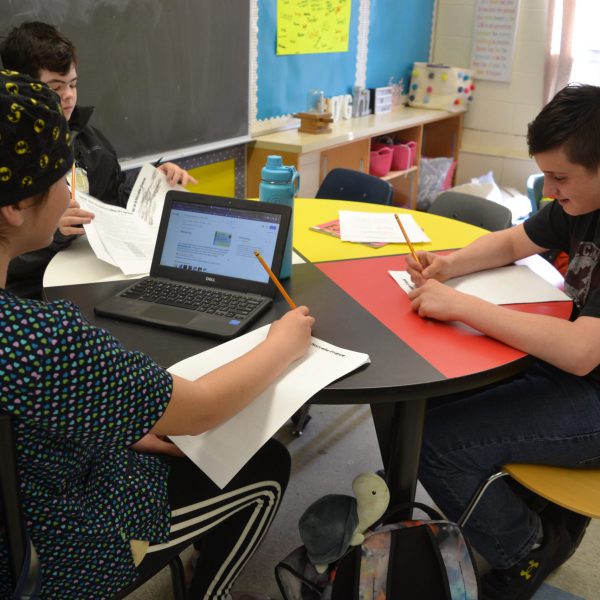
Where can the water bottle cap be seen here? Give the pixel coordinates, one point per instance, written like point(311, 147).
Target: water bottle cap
point(275, 171)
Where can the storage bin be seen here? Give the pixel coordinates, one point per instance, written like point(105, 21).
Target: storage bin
point(412, 146)
point(380, 161)
point(440, 87)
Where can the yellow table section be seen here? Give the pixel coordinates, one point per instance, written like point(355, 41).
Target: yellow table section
point(445, 234)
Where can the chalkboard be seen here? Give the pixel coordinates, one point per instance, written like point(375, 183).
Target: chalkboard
point(163, 75)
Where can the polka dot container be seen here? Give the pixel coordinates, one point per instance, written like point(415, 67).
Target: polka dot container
point(440, 87)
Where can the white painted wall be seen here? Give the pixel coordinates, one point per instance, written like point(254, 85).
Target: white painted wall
point(496, 122)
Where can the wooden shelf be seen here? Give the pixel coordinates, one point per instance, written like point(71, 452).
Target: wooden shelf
point(394, 174)
point(435, 133)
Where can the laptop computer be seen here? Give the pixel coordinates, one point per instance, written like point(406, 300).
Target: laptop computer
point(205, 277)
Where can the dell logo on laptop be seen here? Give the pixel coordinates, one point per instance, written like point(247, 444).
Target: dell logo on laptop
point(211, 279)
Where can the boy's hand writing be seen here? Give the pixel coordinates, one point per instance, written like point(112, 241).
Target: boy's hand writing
point(72, 218)
point(430, 266)
point(292, 332)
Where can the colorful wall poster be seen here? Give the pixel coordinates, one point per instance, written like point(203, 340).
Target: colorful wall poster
point(312, 26)
point(494, 39)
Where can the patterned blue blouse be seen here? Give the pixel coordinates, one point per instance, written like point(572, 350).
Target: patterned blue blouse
point(78, 401)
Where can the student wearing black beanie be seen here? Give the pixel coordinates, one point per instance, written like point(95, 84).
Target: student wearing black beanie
point(106, 498)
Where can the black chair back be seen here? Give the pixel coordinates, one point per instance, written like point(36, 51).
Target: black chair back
point(23, 564)
point(346, 184)
point(473, 210)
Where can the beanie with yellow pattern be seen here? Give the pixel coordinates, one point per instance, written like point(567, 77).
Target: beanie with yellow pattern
point(35, 145)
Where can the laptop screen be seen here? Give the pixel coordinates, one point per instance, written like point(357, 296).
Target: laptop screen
point(220, 240)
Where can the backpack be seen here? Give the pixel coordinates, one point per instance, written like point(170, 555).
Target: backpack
point(412, 560)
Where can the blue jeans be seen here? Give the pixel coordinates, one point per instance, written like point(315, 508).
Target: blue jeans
point(544, 416)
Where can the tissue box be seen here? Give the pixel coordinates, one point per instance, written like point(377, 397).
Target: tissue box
point(441, 87)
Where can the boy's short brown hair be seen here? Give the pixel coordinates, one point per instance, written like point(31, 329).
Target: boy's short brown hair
point(33, 46)
point(570, 120)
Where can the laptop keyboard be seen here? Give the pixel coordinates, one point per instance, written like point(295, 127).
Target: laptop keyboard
point(206, 300)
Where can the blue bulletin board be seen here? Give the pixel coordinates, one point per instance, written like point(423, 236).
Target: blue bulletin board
point(283, 81)
point(399, 34)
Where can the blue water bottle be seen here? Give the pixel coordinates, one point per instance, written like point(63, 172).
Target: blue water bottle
point(279, 185)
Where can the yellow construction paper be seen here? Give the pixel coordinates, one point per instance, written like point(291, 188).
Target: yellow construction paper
point(312, 26)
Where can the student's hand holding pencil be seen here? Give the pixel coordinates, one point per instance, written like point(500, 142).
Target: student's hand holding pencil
point(292, 333)
point(429, 266)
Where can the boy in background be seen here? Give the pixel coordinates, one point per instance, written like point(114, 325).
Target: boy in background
point(42, 52)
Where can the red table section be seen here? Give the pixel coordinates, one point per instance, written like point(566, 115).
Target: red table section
point(453, 348)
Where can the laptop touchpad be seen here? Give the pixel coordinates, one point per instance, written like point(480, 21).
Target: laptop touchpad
point(169, 314)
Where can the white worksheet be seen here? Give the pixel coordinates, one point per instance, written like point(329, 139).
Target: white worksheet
point(147, 197)
point(225, 449)
point(358, 226)
point(125, 237)
point(118, 236)
point(513, 284)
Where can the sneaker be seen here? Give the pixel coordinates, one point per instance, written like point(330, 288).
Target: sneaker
point(574, 523)
point(522, 580)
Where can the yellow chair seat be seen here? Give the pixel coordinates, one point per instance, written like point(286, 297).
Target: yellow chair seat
point(575, 489)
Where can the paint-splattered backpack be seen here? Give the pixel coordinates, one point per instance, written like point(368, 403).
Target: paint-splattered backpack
point(417, 559)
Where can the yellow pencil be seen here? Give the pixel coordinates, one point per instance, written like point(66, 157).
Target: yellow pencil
point(73, 182)
point(274, 279)
point(410, 246)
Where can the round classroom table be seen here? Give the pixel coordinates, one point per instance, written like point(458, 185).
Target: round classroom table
point(358, 306)
point(78, 264)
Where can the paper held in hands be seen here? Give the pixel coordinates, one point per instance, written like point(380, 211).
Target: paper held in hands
point(513, 284)
point(379, 227)
point(125, 237)
point(224, 450)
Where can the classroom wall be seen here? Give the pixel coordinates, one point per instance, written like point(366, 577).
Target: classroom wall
point(496, 123)
point(385, 38)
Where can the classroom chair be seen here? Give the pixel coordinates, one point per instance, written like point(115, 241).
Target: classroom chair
point(577, 490)
point(346, 184)
point(472, 209)
point(23, 562)
point(535, 190)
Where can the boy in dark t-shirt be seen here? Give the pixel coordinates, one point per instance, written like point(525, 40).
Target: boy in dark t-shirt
point(551, 413)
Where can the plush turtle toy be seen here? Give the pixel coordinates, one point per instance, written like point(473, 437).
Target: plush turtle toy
point(335, 521)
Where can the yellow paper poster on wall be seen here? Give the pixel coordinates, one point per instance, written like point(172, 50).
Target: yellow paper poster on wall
point(312, 26)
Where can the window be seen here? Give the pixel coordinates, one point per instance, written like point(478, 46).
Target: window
point(572, 45)
point(586, 43)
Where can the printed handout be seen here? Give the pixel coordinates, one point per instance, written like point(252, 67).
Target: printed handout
point(513, 284)
point(125, 237)
point(363, 227)
point(224, 450)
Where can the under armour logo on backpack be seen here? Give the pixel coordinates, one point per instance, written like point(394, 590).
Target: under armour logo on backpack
point(528, 573)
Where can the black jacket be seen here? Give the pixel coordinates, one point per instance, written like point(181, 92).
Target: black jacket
point(95, 154)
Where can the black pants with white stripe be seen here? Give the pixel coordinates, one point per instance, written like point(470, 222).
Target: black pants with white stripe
point(229, 523)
